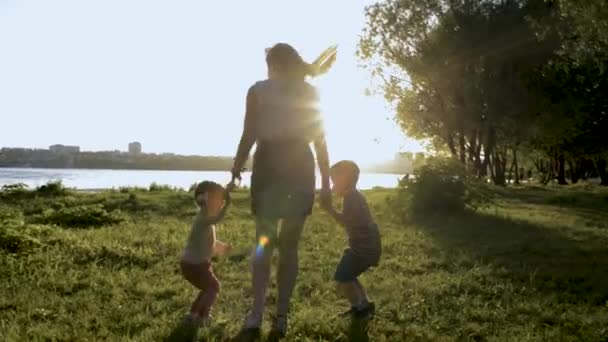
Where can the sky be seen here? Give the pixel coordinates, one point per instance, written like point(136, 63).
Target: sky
point(173, 74)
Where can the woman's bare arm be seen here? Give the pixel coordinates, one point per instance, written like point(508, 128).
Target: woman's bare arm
point(323, 160)
point(248, 136)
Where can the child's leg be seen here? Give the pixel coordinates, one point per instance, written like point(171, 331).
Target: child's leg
point(349, 268)
point(362, 294)
point(211, 289)
point(195, 307)
point(192, 274)
point(351, 292)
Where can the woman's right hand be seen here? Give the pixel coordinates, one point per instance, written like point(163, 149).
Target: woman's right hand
point(236, 173)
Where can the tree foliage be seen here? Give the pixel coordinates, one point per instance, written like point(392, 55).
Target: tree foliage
point(494, 82)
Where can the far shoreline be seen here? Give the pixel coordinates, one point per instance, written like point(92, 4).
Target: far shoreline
point(178, 170)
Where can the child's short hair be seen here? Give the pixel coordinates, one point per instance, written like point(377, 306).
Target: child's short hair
point(348, 167)
point(203, 188)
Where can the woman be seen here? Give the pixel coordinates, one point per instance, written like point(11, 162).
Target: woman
point(282, 118)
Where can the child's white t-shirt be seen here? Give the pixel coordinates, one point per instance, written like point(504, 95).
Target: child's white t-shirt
point(199, 247)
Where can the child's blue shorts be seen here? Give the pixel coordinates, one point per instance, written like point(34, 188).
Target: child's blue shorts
point(350, 267)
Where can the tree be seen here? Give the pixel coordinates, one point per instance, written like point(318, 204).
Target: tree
point(456, 73)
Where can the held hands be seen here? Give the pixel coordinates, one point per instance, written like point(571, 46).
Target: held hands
point(236, 178)
point(230, 187)
point(325, 200)
point(236, 173)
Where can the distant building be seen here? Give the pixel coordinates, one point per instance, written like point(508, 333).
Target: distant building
point(135, 147)
point(58, 148)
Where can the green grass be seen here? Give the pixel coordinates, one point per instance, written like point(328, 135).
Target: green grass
point(530, 267)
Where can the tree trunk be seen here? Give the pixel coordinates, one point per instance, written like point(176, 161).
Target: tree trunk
point(579, 170)
point(587, 167)
point(500, 165)
point(490, 163)
point(561, 170)
point(540, 169)
point(573, 172)
point(517, 173)
point(480, 166)
point(463, 151)
point(450, 140)
point(600, 165)
point(510, 173)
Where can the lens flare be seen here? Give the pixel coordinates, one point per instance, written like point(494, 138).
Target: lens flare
point(262, 243)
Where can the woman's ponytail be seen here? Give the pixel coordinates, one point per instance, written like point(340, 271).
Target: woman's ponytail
point(289, 61)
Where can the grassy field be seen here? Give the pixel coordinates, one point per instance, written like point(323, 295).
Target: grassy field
point(532, 266)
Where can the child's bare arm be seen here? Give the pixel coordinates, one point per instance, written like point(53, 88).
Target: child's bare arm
point(352, 210)
point(220, 216)
point(339, 217)
point(344, 218)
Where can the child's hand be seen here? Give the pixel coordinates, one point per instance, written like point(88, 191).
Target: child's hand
point(325, 198)
point(326, 206)
point(221, 248)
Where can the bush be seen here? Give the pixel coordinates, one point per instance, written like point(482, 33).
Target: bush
point(132, 203)
point(10, 215)
point(12, 192)
point(157, 187)
point(13, 240)
point(13, 188)
point(132, 189)
point(52, 189)
point(440, 186)
point(85, 216)
point(15, 236)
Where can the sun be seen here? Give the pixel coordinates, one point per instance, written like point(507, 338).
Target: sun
point(358, 127)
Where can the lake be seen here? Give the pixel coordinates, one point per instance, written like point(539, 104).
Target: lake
point(90, 179)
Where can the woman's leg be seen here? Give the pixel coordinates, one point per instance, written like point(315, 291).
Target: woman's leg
point(287, 273)
point(266, 239)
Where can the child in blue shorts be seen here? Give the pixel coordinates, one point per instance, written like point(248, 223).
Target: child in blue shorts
point(363, 238)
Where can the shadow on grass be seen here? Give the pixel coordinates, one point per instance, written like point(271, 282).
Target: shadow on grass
point(573, 268)
point(594, 202)
point(357, 331)
point(182, 333)
point(185, 332)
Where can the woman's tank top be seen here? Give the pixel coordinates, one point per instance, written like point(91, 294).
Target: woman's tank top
point(287, 112)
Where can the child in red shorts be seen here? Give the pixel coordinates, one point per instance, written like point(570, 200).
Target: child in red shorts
point(212, 200)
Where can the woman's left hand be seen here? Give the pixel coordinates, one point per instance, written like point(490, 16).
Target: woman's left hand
point(325, 198)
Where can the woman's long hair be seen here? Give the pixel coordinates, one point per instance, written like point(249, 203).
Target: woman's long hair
point(288, 61)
